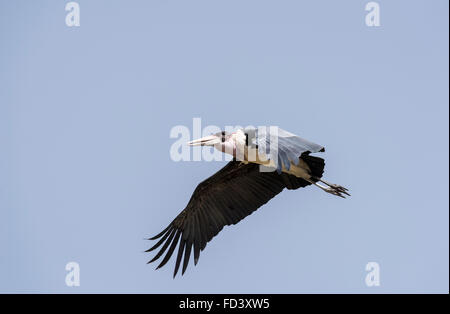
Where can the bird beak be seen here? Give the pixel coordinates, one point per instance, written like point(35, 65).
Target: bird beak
point(205, 141)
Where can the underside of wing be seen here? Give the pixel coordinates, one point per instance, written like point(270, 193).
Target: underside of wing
point(226, 198)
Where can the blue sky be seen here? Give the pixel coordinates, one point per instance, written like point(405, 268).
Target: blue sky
point(85, 116)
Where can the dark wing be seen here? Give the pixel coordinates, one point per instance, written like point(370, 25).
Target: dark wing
point(226, 198)
point(286, 147)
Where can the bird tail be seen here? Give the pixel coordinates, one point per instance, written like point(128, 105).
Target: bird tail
point(315, 164)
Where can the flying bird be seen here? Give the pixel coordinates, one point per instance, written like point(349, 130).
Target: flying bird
point(265, 161)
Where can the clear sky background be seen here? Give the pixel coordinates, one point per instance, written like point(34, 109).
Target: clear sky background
point(85, 116)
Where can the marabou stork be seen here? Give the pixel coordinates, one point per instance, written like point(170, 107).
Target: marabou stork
point(241, 187)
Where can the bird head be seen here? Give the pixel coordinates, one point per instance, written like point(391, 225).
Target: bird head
point(223, 141)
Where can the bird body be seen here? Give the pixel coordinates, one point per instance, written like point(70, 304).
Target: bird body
point(264, 163)
point(252, 154)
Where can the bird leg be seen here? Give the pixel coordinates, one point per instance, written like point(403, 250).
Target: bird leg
point(332, 188)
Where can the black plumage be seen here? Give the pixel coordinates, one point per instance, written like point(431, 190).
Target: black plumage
point(227, 197)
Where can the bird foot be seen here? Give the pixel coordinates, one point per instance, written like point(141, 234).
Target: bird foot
point(332, 188)
point(339, 189)
point(335, 192)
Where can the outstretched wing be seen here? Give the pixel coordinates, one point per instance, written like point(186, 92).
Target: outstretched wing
point(280, 146)
point(226, 198)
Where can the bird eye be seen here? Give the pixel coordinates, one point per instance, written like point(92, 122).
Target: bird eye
point(223, 136)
